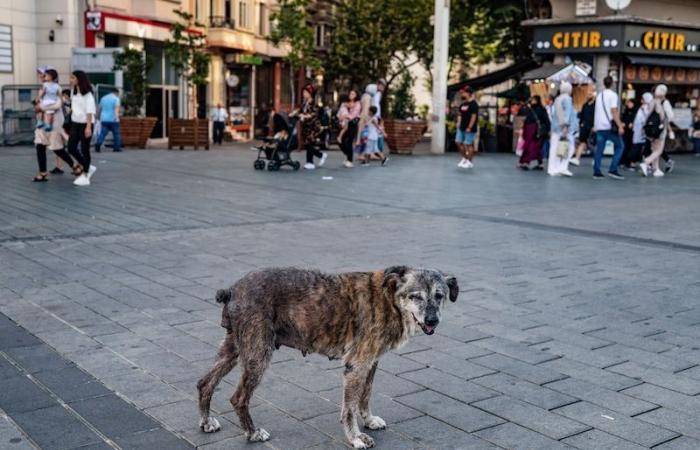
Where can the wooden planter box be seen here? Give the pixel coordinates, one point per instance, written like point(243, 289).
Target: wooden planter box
point(188, 133)
point(135, 131)
point(403, 135)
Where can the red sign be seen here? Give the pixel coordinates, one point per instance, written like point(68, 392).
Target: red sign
point(94, 21)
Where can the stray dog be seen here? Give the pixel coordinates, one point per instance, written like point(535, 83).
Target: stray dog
point(355, 316)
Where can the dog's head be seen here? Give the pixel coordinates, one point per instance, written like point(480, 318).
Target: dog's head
point(421, 293)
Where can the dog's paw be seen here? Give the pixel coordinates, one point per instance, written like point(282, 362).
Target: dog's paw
point(210, 425)
point(259, 435)
point(375, 423)
point(362, 441)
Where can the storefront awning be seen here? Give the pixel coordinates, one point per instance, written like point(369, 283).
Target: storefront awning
point(495, 77)
point(574, 73)
point(690, 63)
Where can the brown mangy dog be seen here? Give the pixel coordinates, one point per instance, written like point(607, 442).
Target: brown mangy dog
point(354, 316)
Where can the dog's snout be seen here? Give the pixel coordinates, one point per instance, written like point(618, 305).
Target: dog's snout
point(432, 321)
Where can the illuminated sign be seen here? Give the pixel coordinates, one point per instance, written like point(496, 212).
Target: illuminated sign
point(661, 40)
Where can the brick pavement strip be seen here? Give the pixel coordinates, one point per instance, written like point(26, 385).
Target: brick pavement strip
point(552, 309)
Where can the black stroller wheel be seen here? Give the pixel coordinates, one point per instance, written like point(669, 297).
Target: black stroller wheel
point(259, 164)
point(296, 165)
point(273, 166)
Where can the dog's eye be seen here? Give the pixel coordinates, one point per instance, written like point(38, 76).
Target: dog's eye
point(439, 296)
point(416, 297)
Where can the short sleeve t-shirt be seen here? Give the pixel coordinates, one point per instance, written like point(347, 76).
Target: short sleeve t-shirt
point(466, 110)
point(108, 106)
point(604, 104)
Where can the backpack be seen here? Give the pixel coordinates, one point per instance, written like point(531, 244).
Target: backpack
point(654, 126)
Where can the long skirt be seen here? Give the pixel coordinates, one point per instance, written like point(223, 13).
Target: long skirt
point(532, 151)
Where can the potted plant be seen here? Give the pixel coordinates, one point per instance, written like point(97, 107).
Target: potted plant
point(187, 52)
point(403, 130)
point(135, 127)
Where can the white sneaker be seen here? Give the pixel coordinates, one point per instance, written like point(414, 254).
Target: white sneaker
point(82, 180)
point(462, 163)
point(575, 161)
point(323, 159)
point(669, 166)
point(644, 169)
point(348, 165)
point(309, 166)
point(91, 171)
point(468, 164)
point(658, 173)
point(567, 173)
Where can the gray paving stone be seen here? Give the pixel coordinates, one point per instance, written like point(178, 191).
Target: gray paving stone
point(152, 439)
point(606, 398)
point(681, 443)
point(534, 374)
point(515, 350)
point(515, 437)
point(672, 420)
point(286, 432)
point(457, 414)
point(659, 377)
point(593, 375)
point(449, 385)
point(329, 425)
point(633, 430)
point(294, 400)
point(19, 394)
point(651, 359)
point(71, 384)
point(532, 417)
point(446, 363)
point(543, 397)
point(11, 438)
point(435, 434)
point(596, 440)
point(665, 397)
point(643, 343)
point(55, 428)
point(593, 358)
point(102, 411)
point(37, 358)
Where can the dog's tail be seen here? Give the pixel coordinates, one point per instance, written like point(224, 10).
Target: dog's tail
point(223, 296)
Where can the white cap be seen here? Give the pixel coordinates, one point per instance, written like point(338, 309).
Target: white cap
point(660, 90)
point(647, 97)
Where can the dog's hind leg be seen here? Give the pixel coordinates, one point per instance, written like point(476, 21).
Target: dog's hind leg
point(256, 353)
point(353, 385)
point(371, 422)
point(225, 362)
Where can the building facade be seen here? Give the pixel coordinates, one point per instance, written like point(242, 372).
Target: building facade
point(648, 43)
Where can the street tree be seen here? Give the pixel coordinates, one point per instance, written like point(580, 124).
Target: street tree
point(291, 29)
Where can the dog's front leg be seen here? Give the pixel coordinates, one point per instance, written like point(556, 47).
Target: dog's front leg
point(353, 385)
point(372, 422)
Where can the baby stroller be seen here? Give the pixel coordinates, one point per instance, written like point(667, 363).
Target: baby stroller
point(277, 149)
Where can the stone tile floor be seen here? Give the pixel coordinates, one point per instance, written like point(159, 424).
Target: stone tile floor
point(577, 325)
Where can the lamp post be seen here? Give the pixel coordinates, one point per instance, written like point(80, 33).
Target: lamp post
point(441, 21)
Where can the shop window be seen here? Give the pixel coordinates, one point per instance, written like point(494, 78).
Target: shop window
point(154, 50)
point(262, 19)
point(243, 14)
point(228, 14)
point(238, 94)
point(111, 40)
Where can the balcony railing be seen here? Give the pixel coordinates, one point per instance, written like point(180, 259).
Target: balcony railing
point(220, 22)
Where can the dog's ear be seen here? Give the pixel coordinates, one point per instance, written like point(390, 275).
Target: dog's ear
point(392, 278)
point(451, 281)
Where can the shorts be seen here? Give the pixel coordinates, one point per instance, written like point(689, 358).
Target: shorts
point(465, 138)
point(584, 134)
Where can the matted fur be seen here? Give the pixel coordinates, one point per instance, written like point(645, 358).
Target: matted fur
point(356, 316)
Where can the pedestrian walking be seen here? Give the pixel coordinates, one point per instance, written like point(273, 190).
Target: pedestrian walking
point(219, 117)
point(695, 131)
point(536, 129)
point(373, 130)
point(467, 124)
point(585, 128)
point(562, 142)
point(608, 127)
point(108, 112)
point(657, 129)
point(48, 99)
point(640, 143)
point(628, 115)
point(83, 110)
point(52, 139)
point(349, 117)
point(311, 128)
point(377, 103)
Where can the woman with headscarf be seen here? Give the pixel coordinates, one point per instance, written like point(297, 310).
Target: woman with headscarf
point(535, 130)
point(663, 108)
point(311, 128)
point(564, 128)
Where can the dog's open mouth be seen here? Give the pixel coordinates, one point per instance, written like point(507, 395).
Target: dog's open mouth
point(427, 329)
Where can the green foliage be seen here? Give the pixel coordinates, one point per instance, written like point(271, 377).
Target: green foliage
point(135, 64)
point(187, 51)
point(292, 29)
point(402, 105)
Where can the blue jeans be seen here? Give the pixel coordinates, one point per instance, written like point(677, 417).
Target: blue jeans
point(696, 145)
point(601, 138)
point(545, 148)
point(106, 127)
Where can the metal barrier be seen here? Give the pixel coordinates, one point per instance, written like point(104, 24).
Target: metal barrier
point(18, 117)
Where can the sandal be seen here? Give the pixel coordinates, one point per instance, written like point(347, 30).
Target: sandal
point(56, 171)
point(40, 178)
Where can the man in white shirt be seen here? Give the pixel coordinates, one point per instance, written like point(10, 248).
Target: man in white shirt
point(219, 116)
point(608, 127)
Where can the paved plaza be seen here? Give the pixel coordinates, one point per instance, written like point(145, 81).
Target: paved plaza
point(577, 326)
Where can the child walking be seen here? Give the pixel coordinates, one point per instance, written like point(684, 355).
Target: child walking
point(374, 131)
point(48, 100)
